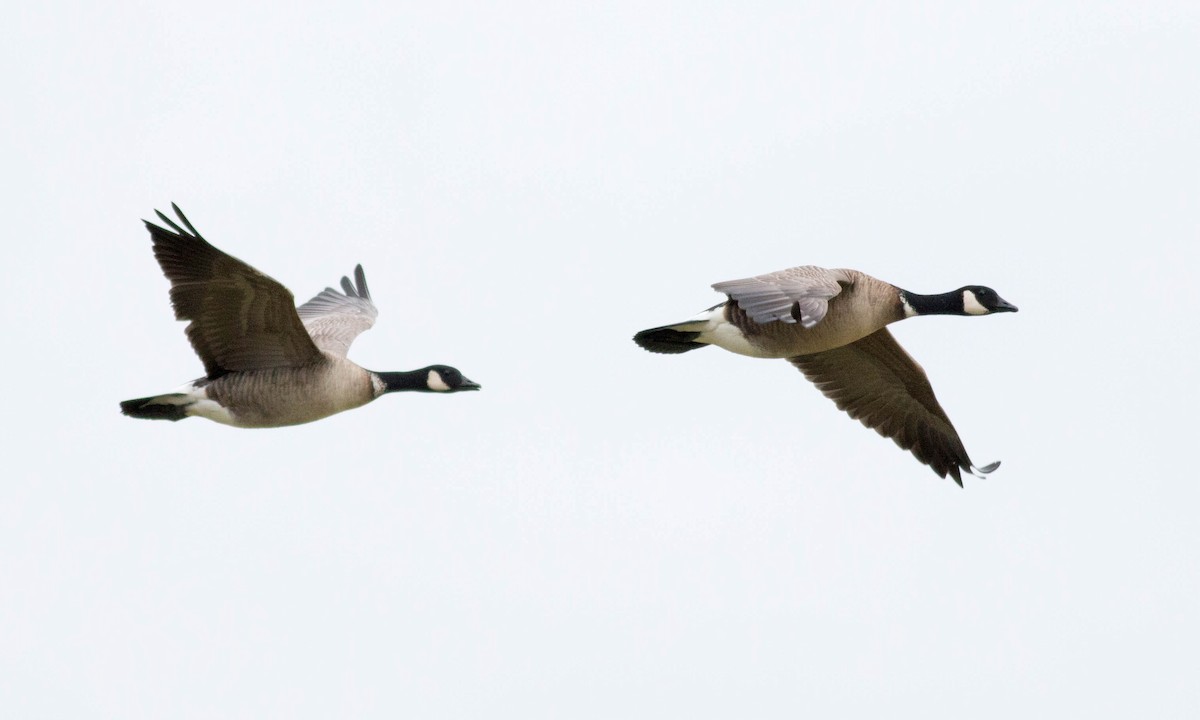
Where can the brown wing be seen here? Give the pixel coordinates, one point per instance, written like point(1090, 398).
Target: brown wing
point(877, 383)
point(240, 318)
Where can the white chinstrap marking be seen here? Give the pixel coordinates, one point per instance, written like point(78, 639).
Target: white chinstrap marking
point(435, 382)
point(971, 304)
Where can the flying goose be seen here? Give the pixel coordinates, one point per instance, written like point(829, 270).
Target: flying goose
point(832, 325)
point(268, 363)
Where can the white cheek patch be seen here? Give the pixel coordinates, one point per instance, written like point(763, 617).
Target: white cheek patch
point(435, 382)
point(971, 305)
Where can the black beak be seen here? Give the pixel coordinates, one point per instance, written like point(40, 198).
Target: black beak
point(468, 385)
point(1004, 306)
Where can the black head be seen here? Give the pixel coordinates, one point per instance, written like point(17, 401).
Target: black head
point(443, 378)
point(435, 378)
point(980, 300)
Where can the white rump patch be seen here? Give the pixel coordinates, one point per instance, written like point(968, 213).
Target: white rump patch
point(202, 406)
point(711, 315)
point(212, 410)
point(727, 336)
point(714, 329)
point(435, 382)
point(971, 304)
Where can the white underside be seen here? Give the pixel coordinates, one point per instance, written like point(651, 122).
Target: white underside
point(714, 329)
point(199, 405)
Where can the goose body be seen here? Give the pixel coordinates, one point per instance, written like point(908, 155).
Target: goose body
point(268, 363)
point(832, 325)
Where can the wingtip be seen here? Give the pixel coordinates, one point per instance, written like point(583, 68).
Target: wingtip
point(360, 277)
point(979, 472)
point(172, 224)
point(187, 223)
point(358, 288)
point(955, 473)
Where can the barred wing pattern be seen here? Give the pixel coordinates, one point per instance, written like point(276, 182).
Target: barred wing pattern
point(334, 319)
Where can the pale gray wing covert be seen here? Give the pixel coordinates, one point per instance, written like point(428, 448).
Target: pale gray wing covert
point(334, 319)
point(799, 293)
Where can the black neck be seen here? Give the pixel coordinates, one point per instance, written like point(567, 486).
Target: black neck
point(413, 380)
point(950, 303)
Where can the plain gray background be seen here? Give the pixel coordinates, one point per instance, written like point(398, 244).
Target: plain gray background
point(601, 532)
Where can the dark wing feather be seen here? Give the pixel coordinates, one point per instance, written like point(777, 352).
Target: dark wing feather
point(877, 383)
point(240, 318)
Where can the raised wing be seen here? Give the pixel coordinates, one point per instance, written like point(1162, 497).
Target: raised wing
point(240, 318)
point(877, 383)
point(799, 293)
point(334, 319)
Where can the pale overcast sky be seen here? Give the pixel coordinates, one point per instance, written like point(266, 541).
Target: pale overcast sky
point(602, 532)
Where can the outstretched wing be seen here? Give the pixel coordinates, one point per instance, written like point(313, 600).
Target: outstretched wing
point(876, 382)
point(799, 293)
point(240, 319)
point(334, 319)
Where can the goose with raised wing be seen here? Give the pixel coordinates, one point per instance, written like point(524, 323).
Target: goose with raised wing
point(268, 363)
point(832, 325)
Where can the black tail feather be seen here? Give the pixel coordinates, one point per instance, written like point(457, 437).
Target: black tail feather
point(668, 340)
point(155, 408)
